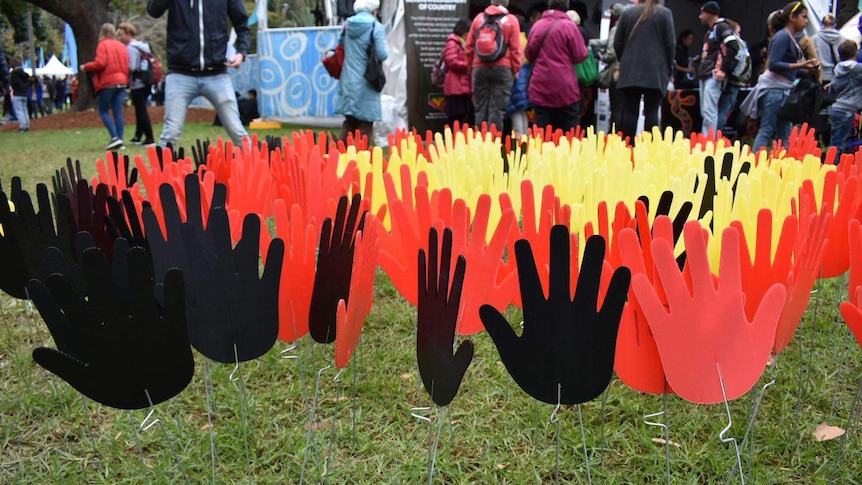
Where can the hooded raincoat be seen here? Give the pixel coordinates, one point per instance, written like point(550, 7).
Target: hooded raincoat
point(356, 97)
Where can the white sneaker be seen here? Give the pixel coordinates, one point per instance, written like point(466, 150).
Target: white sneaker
point(115, 143)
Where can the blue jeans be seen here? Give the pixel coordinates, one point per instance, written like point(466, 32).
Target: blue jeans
point(710, 93)
point(19, 105)
point(726, 102)
point(182, 89)
point(842, 124)
point(112, 99)
point(770, 126)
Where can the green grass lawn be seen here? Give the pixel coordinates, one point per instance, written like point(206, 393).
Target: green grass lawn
point(364, 434)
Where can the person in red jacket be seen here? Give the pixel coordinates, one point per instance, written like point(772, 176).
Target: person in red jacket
point(493, 71)
point(554, 47)
point(457, 86)
point(111, 69)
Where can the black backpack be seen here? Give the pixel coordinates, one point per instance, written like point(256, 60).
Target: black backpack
point(490, 43)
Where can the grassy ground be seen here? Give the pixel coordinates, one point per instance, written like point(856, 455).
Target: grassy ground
point(492, 432)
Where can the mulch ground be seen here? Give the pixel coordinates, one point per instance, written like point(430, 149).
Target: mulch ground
point(90, 119)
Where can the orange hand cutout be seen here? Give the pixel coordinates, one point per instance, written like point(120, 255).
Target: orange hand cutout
point(809, 248)
point(637, 360)
point(482, 286)
point(853, 315)
point(349, 320)
point(705, 336)
point(297, 278)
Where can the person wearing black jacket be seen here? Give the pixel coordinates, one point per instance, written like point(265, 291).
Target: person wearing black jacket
point(713, 75)
point(197, 41)
point(19, 80)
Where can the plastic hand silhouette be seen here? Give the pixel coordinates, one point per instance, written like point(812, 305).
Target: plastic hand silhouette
point(726, 172)
point(334, 263)
point(438, 307)
point(809, 248)
point(705, 327)
point(638, 363)
point(167, 248)
point(853, 314)
point(124, 220)
point(297, 284)
point(567, 341)
point(26, 235)
point(482, 283)
point(119, 344)
point(232, 309)
point(351, 318)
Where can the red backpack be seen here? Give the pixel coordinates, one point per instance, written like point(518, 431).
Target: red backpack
point(490, 42)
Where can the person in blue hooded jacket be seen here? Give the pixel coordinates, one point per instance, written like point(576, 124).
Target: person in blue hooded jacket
point(357, 100)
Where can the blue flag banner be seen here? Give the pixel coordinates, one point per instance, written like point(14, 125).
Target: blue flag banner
point(72, 48)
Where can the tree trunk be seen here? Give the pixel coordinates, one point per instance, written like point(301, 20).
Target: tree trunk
point(86, 18)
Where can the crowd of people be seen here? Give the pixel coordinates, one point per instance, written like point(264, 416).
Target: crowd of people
point(537, 69)
point(498, 65)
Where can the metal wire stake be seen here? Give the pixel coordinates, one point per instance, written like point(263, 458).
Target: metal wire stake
point(850, 428)
point(435, 447)
point(236, 376)
point(340, 383)
point(145, 427)
point(138, 445)
point(729, 425)
point(208, 391)
point(664, 427)
point(602, 455)
point(89, 425)
point(553, 419)
point(311, 416)
point(584, 442)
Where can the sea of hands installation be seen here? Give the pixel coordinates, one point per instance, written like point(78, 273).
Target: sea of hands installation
point(681, 264)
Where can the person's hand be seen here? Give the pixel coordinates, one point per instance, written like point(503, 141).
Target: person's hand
point(118, 345)
point(441, 371)
point(719, 75)
point(235, 61)
point(565, 354)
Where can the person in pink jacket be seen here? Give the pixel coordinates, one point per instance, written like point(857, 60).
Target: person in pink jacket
point(554, 47)
point(111, 79)
point(493, 75)
point(457, 86)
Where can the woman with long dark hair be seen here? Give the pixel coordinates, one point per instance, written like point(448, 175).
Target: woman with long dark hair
point(784, 64)
point(644, 31)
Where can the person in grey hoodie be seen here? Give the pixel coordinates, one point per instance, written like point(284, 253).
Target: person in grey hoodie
point(826, 42)
point(140, 88)
point(847, 88)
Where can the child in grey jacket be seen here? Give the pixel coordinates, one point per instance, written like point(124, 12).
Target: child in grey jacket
point(847, 88)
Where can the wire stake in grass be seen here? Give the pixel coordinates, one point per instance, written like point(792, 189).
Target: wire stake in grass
point(663, 426)
point(236, 376)
point(721, 435)
point(210, 398)
point(149, 422)
point(326, 461)
point(311, 417)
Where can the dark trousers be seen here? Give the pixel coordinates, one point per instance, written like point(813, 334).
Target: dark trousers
point(143, 126)
point(563, 118)
point(630, 111)
point(352, 124)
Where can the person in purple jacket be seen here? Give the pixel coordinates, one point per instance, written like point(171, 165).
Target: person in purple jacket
point(554, 46)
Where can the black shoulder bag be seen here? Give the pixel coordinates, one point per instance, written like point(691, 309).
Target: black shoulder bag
point(374, 68)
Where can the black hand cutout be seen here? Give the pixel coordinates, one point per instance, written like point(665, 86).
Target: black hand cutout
point(441, 372)
point(663, 209)
point(26, 235)
point(565, 341)
point(232, 311)
point(334, 264)
point(710, 192)
point(124, 222)
point(119, 343)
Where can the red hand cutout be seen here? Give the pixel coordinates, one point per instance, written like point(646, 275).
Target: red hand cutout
point(706, 330)
point(349, 320)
